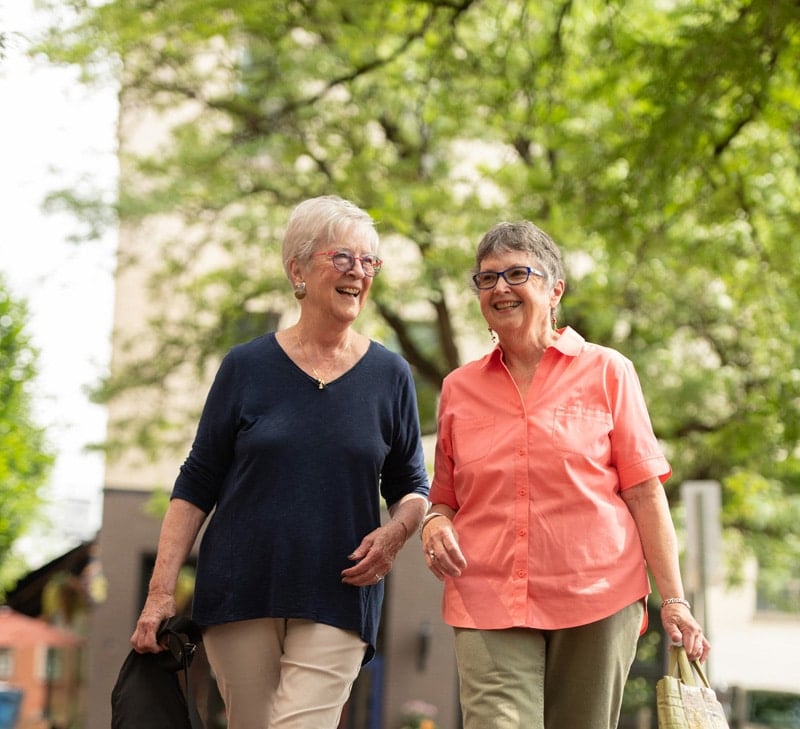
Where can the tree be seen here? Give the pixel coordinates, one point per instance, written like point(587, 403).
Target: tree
point(656, 142)
point(25, 459)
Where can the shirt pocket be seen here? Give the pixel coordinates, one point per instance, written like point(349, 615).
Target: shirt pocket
point(472, 439)
point(585, 431)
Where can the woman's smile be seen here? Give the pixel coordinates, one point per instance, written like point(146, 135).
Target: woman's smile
point(506, 305)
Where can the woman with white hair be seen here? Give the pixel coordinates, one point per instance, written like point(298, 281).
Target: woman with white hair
point(304, 430)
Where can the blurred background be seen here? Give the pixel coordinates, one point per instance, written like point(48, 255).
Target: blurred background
point(150, 155)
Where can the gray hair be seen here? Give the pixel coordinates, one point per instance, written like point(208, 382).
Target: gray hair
point(522, 236)
point(326, 220)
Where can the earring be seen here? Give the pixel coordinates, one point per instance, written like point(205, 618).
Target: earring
point(300, 290)
point(493, 335)
point(553, 321)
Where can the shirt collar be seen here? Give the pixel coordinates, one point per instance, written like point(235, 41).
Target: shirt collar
point(569, 343)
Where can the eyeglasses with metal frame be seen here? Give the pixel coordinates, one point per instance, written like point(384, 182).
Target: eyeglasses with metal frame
point(514, 276)
point(345, 261)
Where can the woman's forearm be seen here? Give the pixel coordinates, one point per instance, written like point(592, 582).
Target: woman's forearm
point(179, 531)
point(409, 512)
point(648, 505)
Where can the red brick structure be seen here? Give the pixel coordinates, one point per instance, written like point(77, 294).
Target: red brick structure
point(43, 661)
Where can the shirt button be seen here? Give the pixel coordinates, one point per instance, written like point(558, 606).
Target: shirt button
point(521, 452)
point(522, 532)
point(522, 492)
point(521, 573)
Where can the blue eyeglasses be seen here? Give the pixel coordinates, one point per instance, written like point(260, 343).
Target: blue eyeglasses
point(345, 261)
point(514, 276)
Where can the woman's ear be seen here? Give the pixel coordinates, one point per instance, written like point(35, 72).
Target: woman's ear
point(295, 271)
point(557, 293)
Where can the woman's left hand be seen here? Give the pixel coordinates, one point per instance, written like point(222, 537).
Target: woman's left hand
point(375, 555)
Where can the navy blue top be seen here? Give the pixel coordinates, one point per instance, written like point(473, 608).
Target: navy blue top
point(294, 476)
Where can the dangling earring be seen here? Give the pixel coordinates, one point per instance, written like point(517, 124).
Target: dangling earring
point(300, 290)
point(553, 321)
point(493, 335)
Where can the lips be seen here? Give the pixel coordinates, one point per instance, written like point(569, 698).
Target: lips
point(349, 291)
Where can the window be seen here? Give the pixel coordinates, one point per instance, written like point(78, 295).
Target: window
point(54, 664)
point(778, 590)
point(773, 709)
point(6, 663)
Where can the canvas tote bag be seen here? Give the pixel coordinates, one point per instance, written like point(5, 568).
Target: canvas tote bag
point(684, 698)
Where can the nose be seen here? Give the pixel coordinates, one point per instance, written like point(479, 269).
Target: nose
point(357, 264)
point(502, 284)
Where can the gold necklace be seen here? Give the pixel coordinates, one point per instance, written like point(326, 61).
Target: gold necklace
point(320, 382)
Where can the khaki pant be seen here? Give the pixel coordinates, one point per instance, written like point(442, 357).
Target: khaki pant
point(559, 679)
point(283, 674)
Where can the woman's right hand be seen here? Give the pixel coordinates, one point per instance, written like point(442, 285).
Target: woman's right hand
point(179, 530)
point(440, 544)
point(157, 608)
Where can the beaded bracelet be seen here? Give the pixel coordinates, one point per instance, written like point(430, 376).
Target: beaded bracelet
point(676, 601)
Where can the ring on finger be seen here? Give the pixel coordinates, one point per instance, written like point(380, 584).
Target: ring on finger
point(432, 554)
point(378, 577)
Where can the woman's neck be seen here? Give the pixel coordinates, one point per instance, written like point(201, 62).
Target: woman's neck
point(526, 352)
point(323, 337)
point(522, 357)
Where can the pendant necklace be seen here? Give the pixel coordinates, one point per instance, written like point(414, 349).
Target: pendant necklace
point(320, 382)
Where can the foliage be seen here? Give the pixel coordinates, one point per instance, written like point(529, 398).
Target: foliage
point(25, 459)
point(657, 142)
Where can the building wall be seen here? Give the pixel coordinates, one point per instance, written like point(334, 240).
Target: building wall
point(751, 649)
point(126, 534)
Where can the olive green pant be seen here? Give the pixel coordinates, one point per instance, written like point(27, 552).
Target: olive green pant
point(522, 678)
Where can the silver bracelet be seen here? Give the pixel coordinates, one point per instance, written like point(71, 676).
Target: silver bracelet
point(427, 518)
point(676, 601)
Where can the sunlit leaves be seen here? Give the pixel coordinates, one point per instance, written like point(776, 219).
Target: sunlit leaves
point(25, 459)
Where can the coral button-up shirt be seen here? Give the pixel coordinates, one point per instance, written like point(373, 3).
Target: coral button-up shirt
point(536, 484)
